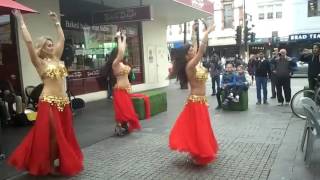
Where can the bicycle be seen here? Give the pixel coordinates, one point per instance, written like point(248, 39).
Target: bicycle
point(295, 103)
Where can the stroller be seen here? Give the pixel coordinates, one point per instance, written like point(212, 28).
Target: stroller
point(34, 94)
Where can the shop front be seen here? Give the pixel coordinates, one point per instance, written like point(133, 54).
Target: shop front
point(298, 42)
point(89, 42)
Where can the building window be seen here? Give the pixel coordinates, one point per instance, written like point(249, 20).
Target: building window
point(278, 15)
point(228, 16)
point(261, 16)
point(313, 8)
point(270, 15)
point(87, 48)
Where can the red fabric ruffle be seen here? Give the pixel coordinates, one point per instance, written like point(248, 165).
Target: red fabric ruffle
point(33, 154)
point(124, 110)
point(192, 133)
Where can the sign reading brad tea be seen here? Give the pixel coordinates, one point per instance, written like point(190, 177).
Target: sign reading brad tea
point(132, 14)
point(299, 37)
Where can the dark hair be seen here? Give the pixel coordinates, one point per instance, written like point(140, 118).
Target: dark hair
point(317, 44)
point(229, 63)
point(179, 64)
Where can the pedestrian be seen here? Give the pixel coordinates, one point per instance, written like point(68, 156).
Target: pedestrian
point(275, 56)
point(125, 115)
point(215, 71)
point(251, 67)
point(313, 60)
point(50, 147)
point(192, 132)
point(282, 71)
point(262, 71)
point(109, 78)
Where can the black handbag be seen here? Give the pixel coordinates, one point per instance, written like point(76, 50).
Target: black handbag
point(76, 103)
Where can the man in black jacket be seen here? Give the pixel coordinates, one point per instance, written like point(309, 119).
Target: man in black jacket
point(262, 71)
point(313, 60)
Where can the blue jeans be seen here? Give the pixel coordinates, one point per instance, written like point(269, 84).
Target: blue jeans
point(261, 82)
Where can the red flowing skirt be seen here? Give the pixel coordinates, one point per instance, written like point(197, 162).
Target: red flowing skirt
point(33, 154)
point(124, 110)
point(192, 133)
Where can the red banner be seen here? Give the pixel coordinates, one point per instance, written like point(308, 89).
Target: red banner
point(202, 5)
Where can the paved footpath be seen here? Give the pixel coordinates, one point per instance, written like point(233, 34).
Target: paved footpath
point(261, 143)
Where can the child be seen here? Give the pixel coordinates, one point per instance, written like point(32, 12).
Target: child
point(228, 82)
point(241, 83)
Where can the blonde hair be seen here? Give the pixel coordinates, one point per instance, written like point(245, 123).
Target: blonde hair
point(41, 41)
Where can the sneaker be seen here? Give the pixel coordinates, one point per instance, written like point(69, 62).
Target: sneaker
point(280, 104)
point(225, 102)
point(237, 98)
point(230, 95)
point(218, 107)
point(265, 102)
point(272, 97)
point(213, 94)
point(258, 103)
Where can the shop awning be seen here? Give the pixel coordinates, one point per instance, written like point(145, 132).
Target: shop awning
point(6, 6)
point(169, 11)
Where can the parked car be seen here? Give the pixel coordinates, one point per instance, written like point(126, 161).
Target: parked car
point(302, 70)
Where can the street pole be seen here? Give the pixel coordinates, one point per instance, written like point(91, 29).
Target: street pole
point(245, 27)
point(185, 33)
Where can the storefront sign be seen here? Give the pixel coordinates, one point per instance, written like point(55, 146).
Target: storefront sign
point(299, 37)
point(75, 74)
point(93, 73)
point(142, 13)
point(202, 5)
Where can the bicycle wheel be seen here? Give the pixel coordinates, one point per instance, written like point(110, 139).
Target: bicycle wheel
point(296, 105)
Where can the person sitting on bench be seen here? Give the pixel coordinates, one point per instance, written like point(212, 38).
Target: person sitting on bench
point(228, 83)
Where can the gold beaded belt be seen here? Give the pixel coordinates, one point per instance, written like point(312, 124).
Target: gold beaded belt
point(59, 102)
point(198, 99)
point(128, 89)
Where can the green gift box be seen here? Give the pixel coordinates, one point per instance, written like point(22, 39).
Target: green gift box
point(158, 103)
point(242, 105)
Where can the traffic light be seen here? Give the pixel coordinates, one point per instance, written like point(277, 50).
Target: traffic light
point(238, 35)
point(253, 37)
point(247, 34)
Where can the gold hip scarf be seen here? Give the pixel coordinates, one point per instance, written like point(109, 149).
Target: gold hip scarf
point(198, 99)
point(59, 102)
point(128, 89)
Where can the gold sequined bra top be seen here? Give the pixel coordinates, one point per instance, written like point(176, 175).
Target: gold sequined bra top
point(201, 74)
point(124, 71)
point(197, 99)
point(55, 71)
point(59, 102)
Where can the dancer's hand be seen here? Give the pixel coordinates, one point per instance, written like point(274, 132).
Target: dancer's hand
point(53, 16)
point(211, 28)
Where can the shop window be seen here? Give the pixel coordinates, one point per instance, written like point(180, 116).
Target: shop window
point(88, 47)
point(228, 16)
point(278, 15)
point(270, 15)
point(313, 8)
point(261, 16)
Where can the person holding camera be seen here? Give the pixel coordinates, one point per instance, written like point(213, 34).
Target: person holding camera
point(283, 68)
point(313, 60)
